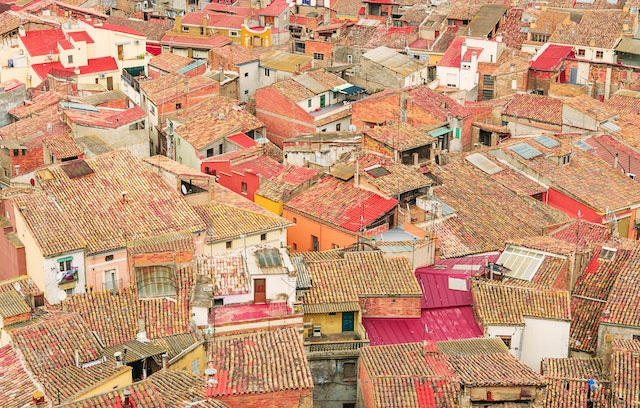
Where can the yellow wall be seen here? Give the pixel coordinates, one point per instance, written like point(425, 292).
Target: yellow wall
point(120, 379)
point(434, 58)
point(185, 361)
point(35, 259)
point(262, 36)
point(269, 205)
point(331, 323)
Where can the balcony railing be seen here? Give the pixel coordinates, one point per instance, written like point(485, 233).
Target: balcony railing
point(67, 276)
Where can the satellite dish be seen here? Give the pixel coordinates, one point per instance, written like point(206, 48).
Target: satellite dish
point(183, 188)
point(62, 295)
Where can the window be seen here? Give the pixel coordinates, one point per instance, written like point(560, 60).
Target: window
point(246, 92)
point(506, 340)
point(565, 159)
point(16, 170)
point(349, 371)
point(233, 33)
point(263, 237)
point(109, 282)
point(38, 300)
point(318, 56)
point(246, 74)
point(195, 367)
point(599, 54)
point(309, 103)
point(220, 149)
point(228, 244)
point(267, 72)
point(487, 79)
point(606, 254)
point(514, 84)
point(24, 152)
point(210, 152)
point(349, 59)
point(295, 246)
point(152, 109)
point(7, 173)
point(70, 59)
point(337, 127)
point(185, 29)
point(65, 265)
point(295, 220)
point(218, 302)
point(335, 246)
point(16, 152)
point(315, 243)
point(244, 187)
point(156, 281)
point(178, 105)
point(108, 258)
point(487, 94)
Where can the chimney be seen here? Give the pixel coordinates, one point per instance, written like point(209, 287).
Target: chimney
point(592, 42)
point(119, 360)
point(615, 161)
point(178, 23)
point(38, 399)
point(499, 37)
point(165, 361)
point(211, 381)
point(77, 358)
point(126, 399)
point(205, 23)
point(512, 67)
point(142, 331)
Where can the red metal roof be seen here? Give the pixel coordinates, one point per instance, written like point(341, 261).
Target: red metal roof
point(94, 66)
point(298, 175)
point(274, 9)
point(262, 165)
point(42, 42)
point(225, 8)
point(434, 280)
point(81, 36)
point(402, 30)
point(242, 140)
point(469, 53)
point(452, 323)
point(451, 57)
point(65, 44)
point(551, 57)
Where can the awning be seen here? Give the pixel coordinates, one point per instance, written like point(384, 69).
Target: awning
point(440, 132)
point(352, 90)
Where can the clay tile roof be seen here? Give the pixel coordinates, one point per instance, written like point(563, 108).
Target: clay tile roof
point(537, 107)
point(115, 317)
point(228, 221)
point(238, 55)
point(511, 29)
point(410, 375)
point(548, 20)
point(31, 131)
point(152, 30)
point(9, 22)
point(463, 11)
point(344, 206)
point(62, 146)
point(227, 269)
point(308, 84)
point(399, 179)
point(502, 218)
point(498, 304)
point(100, 215)
point(625, 101)
point(71, 381)
point(104, 117)
point(400, 136)
point(180, 387)
point(592, 107)
point(602, 28)
point(173, 85)
point(52, 342)
point(49, 225)
point(582, 232)
point(623, 300)
point(181, 241)
point(586, 178)
point(281, 187)
point(625, 367)
point(39, 103)
point(16, 383)
point(12, 304)
point(213, 119)
point(339, 281)
point(566, 382)
point(169, 62)
point(267, 361)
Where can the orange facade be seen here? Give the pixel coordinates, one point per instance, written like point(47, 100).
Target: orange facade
point(310, 235)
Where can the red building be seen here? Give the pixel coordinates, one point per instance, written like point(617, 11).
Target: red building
point(548, 66)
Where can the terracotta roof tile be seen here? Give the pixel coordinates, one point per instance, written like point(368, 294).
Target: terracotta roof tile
point(238, 55)
point(286, 184)
point(511, 29)
point(625, 101)
point(173, 86)
point(623, 303)
point(344, 206)
point(581, 232)
point(592, 107)
point(169, 62)
point(501, 304)
point(410, 375)
point(603, 27)
point(101, 216)
point(400, 178)
point(228, 271)
point(267, 361)
point(566, 382)
point(400, 136)
point(536, 107)
point(16, 383)
point(115, 317)
point(49, 225)
point(625, 366)
point(36, 106)
point(153, 30)
point(317, 82)
point(62, 146)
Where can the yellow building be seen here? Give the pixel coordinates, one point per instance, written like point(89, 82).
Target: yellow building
point(252, 38)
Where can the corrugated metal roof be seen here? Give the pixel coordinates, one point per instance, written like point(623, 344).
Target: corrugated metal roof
point(393, 60)
point(303, 280)
point(136, 350)
point(331, 308)
point(12, 304)
point(310, 83)
point(483, 163)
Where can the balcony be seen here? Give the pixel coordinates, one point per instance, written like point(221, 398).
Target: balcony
point(68, 276)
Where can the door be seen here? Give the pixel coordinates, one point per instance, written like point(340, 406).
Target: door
point(347, 321)
point(573, 76)
point(322, 101)
point(259, 291)
point(110, 83)
point(109, 282)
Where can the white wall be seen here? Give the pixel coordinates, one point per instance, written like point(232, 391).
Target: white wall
point(544, 338)
point(515, 332)
point(50, 269)
point(249, 79)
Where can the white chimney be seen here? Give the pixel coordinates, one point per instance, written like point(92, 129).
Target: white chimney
point(165, 361)
point(615, 161)
point(142, 332)
point(118, 356)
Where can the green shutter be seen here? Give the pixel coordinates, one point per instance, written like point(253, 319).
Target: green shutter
point(68, 258)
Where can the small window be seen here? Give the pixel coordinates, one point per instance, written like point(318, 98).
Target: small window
point(309, 103)
point(70, 59)
point(349, 371)
point(244, 187)
point(636, 337)
point(16, 152)
point(246, 92)
point(38, 300)
point(349, 59)
point(267, 72)
point(318, 56)
point(607, 254)
point(315, 243)
point(338, 126)
point(295, 220)
point(233, 33)
point(246, 74)
point(152, 109)
point(506, 340)
point(263, 237)
point(487, 79)
point(565, 159)
point(218, 302)
point(332, 313)
point(580, 52)
point(514, 84)
point(195, 367)
point(24, 152)
point(295, 246)
point(178, 105)
point(108, 258)
point(16, 170)
point(185, 29)
point(228, 244)
point(599, 54)
point(7, 173)
point(335, 246)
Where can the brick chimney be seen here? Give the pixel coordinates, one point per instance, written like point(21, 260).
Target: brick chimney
point(38, 399)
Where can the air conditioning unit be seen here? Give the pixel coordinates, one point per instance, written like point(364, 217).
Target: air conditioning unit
point(317, 332)
point(103, 75)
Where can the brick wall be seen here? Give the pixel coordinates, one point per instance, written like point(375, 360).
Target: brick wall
point(319, 47)
point(282, 118)
point(34, 158)
point(289, 398)
point(396, 306)
point(365, 387)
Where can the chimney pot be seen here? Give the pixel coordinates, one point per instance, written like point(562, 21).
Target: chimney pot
point(165, 361)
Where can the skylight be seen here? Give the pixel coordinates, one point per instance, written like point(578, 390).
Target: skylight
point(583, 145)
point(547, 142)
point(525, 151)
point(523, 262)
point(377, 171)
